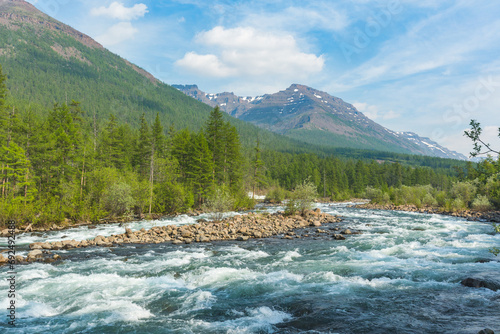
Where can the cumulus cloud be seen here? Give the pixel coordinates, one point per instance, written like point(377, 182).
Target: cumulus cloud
point(246, 51)
point(118, 11)
point(117, 33)
point(374, 113)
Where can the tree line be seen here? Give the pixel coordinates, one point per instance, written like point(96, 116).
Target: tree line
point(65, 164)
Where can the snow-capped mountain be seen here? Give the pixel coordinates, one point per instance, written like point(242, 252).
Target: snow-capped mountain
point(317, 117)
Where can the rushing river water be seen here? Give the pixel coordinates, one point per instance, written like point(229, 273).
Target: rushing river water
point(401, 275)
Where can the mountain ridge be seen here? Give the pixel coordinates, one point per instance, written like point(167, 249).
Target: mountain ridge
point(307, 114)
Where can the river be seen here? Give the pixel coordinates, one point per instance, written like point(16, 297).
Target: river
point(402, 274)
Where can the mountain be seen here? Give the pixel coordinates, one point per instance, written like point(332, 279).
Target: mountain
point(307, 114)
point(47, 61)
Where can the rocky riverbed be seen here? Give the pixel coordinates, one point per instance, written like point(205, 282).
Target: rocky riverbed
point(491, 216)
point(238, 228)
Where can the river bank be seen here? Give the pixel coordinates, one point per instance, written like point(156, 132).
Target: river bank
point(489, 216)
point(402, 274)
point(237, 228)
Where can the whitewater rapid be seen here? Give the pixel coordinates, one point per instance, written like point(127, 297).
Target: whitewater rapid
point(401, 275)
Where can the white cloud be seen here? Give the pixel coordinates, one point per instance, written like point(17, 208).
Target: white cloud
point(424, 47)
point(118, 11)
point(117, 33)
point(373, 112)
point(299, 18)
point(248, 52)
point(207, 65)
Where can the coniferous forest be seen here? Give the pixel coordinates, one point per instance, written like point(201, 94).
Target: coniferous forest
point(62, 165)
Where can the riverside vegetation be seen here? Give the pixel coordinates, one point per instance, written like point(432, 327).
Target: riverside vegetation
point(64, 166)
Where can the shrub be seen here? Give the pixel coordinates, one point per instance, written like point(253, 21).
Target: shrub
point(376, 195)
point(173, 198)
point(302, 198)
point(429, 200)
point(457, 204)
point(243, 201)
point(275, 195)
point(218, 203)
point(481, 203)
point(118, 198)
point(441, 199)
point(465, 191)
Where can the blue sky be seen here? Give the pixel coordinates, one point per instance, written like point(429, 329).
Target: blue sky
point(411, 65)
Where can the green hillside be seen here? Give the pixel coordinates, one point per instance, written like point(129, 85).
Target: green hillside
point(47, 62)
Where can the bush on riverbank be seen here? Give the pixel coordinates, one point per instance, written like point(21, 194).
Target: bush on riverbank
point(302, 198)
point(462, 196)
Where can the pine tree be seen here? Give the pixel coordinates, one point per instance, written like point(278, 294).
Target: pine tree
point(4, 114)
point(158, 138)
point(257, 166)
point(214, 133)
point(200, 166)
point(142, 156)
point(17, 184)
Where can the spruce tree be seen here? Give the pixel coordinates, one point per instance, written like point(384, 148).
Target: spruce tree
point(200, 167)
point(214, 132)
point(142, 156)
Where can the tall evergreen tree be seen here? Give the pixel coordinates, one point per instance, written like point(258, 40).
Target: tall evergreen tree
point(214, 133)
point(257, 167)
point(200, 167)
point(4, 115)
point(142, 156)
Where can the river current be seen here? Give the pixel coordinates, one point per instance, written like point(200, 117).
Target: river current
point(402, 274)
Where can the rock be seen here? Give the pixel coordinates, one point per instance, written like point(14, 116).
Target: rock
point(486, 331)
point(133, 240)
point(243, 238)
point(57, 257)
point(186, 234)
point(57, 245)
point(46, 245)
point(177, 242)
point(35, 254)
point(338, 237)
point(315, 223)
point(128, 231)
point(97, 239)
point(19, 259)
point(3, 259)
point(204, 239)
point(481, 283)
point(257, 234)
point(36, 245)
point(347, 231)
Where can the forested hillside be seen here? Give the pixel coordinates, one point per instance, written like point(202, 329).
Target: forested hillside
point(49, 62)
point(59, 165)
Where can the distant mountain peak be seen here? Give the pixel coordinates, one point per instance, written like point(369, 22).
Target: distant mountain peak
point(314, 116)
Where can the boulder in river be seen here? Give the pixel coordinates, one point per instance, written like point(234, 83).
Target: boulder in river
point(480, 282)
point(3, 259)
point(486, 331)
point(34, 254)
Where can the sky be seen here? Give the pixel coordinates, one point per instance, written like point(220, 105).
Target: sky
point(425, 66)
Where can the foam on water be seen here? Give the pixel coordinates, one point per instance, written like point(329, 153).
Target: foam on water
point(404, 266)
point(252, 320)
point(217, 277)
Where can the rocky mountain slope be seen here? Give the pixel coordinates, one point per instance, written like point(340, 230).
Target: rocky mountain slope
point(317, 117)
point(47, 61)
